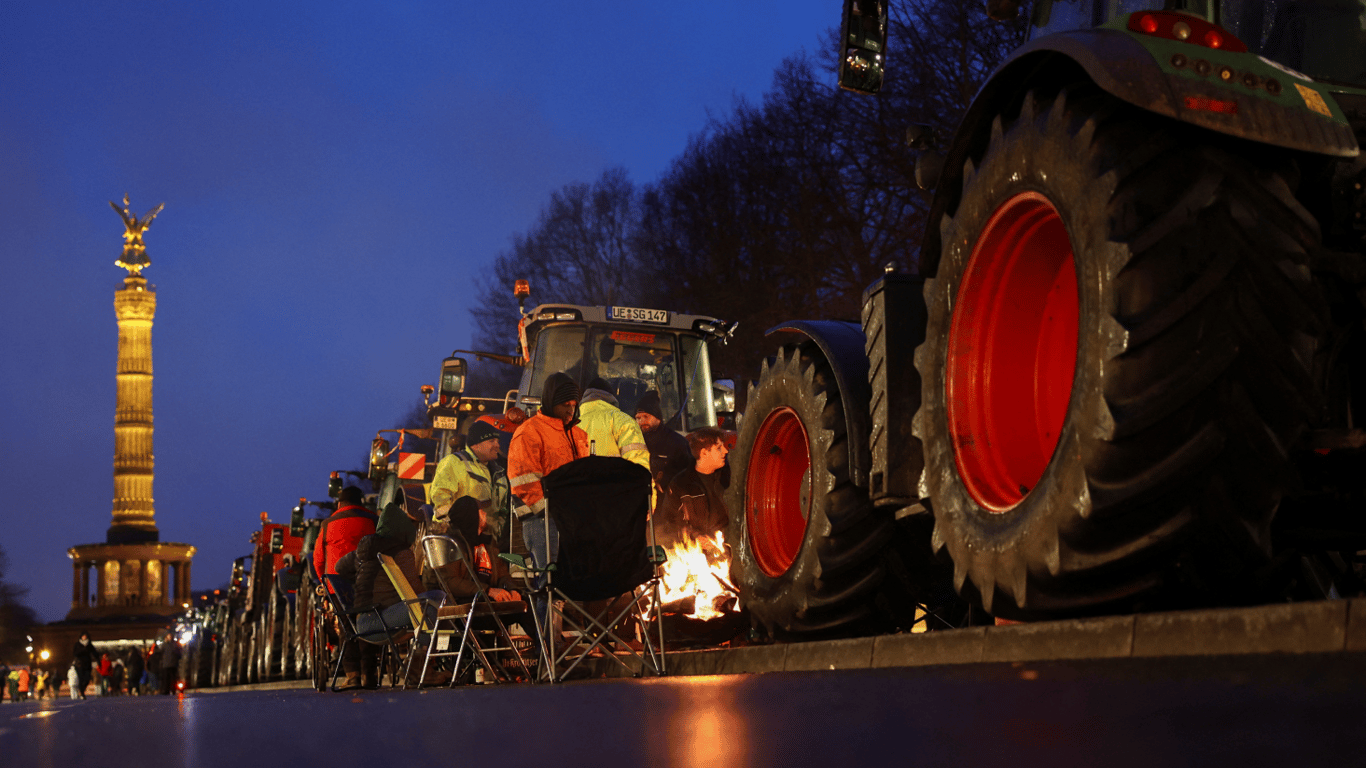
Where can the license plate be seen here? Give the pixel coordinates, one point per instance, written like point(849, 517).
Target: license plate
point(445, 422)
point(636, 315)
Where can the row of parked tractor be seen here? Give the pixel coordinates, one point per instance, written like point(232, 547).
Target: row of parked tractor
point(1123, 376)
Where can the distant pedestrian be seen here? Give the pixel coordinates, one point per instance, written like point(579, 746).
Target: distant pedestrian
point(154, 669)
point(83, 658)
point(136, 668)
point(73, 682)
point(40, 683)
point(13, 685)
point(116, 678)
point(4, 679)
point(170, 663)
point(25, 681)
point(104, 670)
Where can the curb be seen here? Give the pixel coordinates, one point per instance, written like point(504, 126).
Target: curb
point(1329, 626)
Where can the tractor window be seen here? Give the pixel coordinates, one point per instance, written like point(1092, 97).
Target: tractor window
point(701, 411)
point(1117, 9)
point(1051, 16)
point(634, 362)
point(558, 348)
point(1325, 39)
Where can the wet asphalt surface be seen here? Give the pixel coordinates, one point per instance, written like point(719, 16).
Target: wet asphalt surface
point(1215, 711)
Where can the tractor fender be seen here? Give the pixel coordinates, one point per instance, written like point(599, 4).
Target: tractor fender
point(842, 343)
point(1123, 67)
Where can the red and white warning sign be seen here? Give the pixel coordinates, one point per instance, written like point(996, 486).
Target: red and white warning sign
point(410, 465)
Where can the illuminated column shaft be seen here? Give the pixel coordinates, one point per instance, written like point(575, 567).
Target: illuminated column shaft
point(135, 305)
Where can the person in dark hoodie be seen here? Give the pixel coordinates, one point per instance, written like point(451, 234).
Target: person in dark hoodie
point(394, 536)
point(669, 452)
point(543, 443)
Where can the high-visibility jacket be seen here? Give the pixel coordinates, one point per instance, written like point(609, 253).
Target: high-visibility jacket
point(461, 474)
point(540, 445)
point(610, 431)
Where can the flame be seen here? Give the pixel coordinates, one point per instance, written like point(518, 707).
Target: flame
point(698, 567)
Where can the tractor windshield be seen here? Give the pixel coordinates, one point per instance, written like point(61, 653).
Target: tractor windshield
point(1325, 39)
point(633, 361)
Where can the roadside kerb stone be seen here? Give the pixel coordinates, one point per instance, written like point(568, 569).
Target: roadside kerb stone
point(950, 646)
point(730, 661)
point(1295, 628)
point(1102, 638)
point(855, 653)
point(1356, 624)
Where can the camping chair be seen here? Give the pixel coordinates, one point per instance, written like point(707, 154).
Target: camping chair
point(338, 592)
point(441, 551)
point(423, 612)
point(601, 506)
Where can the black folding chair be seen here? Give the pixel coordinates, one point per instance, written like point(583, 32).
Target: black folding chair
point(601, 507)
point(338, 595)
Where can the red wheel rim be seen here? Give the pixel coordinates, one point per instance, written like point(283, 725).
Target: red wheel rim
point(1012, 351)
point(777, 491)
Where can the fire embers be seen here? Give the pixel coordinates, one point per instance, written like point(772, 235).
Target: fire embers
point(696, 577)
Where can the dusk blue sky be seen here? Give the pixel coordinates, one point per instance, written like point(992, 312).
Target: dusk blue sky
point(335, 174)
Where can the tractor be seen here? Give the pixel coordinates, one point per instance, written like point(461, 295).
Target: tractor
point(1126, 373)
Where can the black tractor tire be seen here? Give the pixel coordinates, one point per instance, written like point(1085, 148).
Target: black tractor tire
point(1197, 320)
point(827, 584)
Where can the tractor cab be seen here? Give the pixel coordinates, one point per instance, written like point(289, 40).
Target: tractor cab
point(1325, 39)
point(633, 350)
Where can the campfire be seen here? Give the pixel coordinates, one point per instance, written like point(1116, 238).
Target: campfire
point(696, 578)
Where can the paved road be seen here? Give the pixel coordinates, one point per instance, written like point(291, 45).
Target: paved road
point(1213, 711)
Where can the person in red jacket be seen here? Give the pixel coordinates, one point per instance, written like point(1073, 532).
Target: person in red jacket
point(342, 530)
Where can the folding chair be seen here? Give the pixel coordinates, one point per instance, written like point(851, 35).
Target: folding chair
point(336, 589)
point(423, 612)
point(441, 551)
point(601, 506)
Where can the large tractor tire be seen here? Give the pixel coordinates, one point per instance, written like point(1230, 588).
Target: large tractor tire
point(805, 543)
point(1116, 361)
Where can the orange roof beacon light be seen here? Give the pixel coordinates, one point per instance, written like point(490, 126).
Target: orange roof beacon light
point(521, 289)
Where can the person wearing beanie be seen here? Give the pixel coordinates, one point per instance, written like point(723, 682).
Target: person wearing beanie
point(342, 530)
point(543, 443)
point(610, 431)
point(471, 472)
point(669, 452)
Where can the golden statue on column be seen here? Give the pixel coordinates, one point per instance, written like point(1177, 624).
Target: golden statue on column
point(132, 574)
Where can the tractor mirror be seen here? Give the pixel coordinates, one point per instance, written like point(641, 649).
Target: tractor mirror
point(296, 520)
point(863, 39)
point(277, 540)
point(452, 381)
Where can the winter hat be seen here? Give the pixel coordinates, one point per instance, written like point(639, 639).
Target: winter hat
point(649, 403)
point(559, 388)
point(464, 517)
point(395, 524)
point(481, 431)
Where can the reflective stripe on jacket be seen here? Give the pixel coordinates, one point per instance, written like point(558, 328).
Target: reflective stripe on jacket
point(540, 446)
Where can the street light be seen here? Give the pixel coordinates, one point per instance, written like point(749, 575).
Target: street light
point(45, 654)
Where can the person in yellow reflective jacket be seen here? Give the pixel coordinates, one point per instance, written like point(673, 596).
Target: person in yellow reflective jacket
point(467, 473)
point(611, 432)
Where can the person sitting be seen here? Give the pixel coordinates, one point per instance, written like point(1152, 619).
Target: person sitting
point(394, 536)
point(468, 520)
point(695, 503)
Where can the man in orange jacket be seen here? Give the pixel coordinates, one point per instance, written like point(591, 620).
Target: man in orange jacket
point(542, 444)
